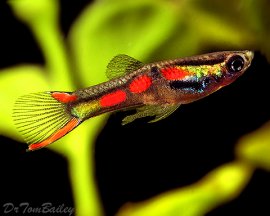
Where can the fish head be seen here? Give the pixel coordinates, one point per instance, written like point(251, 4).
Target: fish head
point(235, 64)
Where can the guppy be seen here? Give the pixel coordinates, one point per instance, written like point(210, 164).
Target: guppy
point(155, 89)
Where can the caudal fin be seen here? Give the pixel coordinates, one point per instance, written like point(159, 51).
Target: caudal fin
point(43, 118)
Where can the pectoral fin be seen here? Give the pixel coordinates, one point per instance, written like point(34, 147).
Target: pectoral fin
point(160, 112)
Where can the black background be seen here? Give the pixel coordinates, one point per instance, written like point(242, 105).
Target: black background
point(140, 160)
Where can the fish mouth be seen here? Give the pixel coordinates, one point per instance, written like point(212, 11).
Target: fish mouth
point(249, 55)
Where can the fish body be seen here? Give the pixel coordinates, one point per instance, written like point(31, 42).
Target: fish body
point(155, 89)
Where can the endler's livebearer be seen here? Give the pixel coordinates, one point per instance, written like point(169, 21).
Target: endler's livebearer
point(155, 89)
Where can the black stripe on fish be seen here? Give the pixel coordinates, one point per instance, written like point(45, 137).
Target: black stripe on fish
point(190, 85)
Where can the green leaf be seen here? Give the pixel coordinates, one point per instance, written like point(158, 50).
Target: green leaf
point(254, 148)
point(106, 29)
point(217, 187)
point(13, 83)
point(41, 16)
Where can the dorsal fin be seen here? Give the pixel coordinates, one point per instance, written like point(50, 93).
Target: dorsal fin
point(122, 64)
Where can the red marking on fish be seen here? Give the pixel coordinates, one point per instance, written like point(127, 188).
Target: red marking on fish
point(113, 98)
point(64, 97)
point(140, 84)
point(174, 73)
point(60, 133)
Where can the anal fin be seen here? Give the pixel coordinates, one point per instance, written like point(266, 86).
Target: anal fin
point(160, 112)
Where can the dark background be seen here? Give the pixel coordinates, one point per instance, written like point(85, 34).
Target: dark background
point(140, 160)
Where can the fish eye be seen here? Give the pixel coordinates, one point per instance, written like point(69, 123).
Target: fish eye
point(235, 64)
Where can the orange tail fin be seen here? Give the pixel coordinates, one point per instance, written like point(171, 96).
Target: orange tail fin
point(43, 118)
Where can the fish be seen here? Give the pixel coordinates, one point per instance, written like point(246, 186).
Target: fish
point(153, 90)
